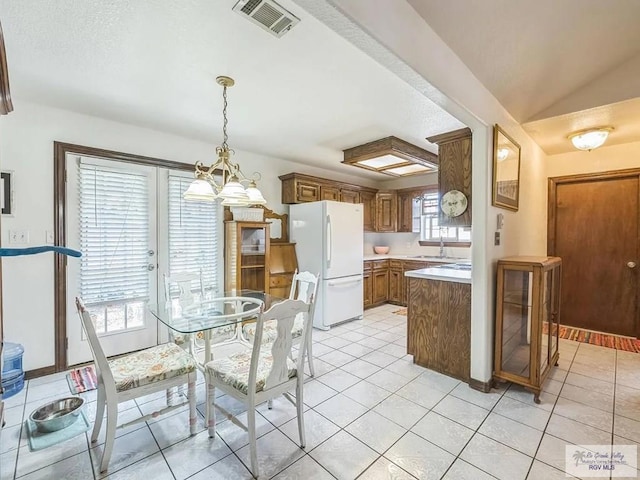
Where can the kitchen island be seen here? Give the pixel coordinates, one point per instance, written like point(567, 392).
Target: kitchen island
point(439, 319)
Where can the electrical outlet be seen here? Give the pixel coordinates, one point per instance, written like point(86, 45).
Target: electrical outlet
point(496, 240)
point(18, 237)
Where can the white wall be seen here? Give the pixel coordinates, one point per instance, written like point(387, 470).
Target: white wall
point(27, 149)
point(615, 157)
point(397, 37)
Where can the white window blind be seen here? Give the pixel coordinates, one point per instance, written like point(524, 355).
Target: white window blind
point(431, 230)
point(114, 230)
point(193, 234)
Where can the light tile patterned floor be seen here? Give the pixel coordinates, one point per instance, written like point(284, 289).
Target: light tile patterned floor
point(371, 414)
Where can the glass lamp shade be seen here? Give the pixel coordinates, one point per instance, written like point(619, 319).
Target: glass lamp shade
point(590, 139)
point(200, 190)
point(255, 195)
point(233, 189)
point(235, 202)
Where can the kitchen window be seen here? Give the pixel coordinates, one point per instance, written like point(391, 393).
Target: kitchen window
point(427, 208)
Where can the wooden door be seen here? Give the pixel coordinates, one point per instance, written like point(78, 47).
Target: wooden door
point(368, 200)
point(593, 227)
point(386, 211)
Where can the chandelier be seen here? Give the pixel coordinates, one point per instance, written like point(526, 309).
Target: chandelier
point(231, 191)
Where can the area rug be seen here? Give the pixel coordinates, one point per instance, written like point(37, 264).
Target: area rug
point(402, 311)
point(82, 379)
point(39, 440)
point(628, 344)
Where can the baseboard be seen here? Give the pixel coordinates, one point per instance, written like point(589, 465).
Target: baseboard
point(39, 372)
point(484, 387)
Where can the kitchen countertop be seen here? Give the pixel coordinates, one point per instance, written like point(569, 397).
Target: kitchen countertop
point(410, 256)
point(442, 274)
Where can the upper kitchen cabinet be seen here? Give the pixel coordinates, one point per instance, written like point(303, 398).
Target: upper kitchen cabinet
point(299, 188)
point(454, 175)
point(386, 211)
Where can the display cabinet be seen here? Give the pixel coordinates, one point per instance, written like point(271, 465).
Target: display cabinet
point(527, 320)
point(247, 251)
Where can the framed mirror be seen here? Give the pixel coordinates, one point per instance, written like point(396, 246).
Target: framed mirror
point(506, 170)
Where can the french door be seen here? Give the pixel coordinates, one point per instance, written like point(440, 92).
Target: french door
point(112, 220)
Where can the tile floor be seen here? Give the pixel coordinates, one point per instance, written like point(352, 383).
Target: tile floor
point(372, 415)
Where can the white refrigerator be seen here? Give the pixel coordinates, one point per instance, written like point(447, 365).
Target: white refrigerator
point(329, 240)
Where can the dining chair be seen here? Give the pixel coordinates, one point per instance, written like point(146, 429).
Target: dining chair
point(184, 281)
point(263, 371)
point(304, 287)
point(135, 375)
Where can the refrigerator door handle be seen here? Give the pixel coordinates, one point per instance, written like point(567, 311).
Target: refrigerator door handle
point(344, 282)
point(329, 241)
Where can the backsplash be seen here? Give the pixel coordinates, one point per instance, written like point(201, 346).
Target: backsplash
point(407, 243)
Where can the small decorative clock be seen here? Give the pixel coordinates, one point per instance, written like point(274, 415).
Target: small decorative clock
point(453, 203)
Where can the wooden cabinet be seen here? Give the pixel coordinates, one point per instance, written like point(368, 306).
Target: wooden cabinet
point(349, 196)
point(327, 192)
point(307, 192)
point(368, 200)
point(247, 251)
point(386, 211)
point(380, 275)
point(527, 320)
point(454, 171)
point(439, 326)
point(405, 212)
point(396, 282)
point(367, 282)
point(282, 265)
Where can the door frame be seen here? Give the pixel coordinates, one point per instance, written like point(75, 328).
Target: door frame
point(554, 182)
point(60, 151)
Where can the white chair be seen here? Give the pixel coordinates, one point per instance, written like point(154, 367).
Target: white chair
point(188, 283)
point(263, 371)
point(135, 375)
point(303, 287)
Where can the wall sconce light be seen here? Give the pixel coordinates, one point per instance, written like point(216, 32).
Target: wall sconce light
point(590, 139)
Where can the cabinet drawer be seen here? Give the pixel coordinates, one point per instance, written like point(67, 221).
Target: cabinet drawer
point(367, 266)
point(281, 280)
point(395, 263)
point(414, 265)
point(380, 264)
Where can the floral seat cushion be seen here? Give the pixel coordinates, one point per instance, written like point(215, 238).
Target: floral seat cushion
point(234, 370)
point(151, 365)
point(218, 335)
point(270, 330)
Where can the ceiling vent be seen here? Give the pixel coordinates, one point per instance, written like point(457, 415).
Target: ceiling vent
point(268, 15)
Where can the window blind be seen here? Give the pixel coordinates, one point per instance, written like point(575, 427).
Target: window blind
point(193, 234)
point(114, 235)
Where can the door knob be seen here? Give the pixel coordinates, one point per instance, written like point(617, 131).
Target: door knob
point(631, 264)
point(151, 267)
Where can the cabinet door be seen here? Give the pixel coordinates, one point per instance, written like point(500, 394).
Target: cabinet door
point(396, 292)
point(386, 211)
point(368, 200)
point(329, 193)
point(349, 196)
point(380, 285)
point(307, 191)
point(368, 288)
point(405, 212)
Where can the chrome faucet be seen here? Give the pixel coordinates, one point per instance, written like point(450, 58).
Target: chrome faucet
point(441, 254)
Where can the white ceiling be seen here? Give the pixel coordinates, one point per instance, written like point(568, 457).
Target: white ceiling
point(303, 97)
point(556, 66)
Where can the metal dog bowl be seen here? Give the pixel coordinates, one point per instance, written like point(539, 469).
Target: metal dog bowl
point(57, 415)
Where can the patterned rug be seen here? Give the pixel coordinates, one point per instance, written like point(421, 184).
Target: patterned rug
point(402, 311)
point(82, 380)
point(628, 344)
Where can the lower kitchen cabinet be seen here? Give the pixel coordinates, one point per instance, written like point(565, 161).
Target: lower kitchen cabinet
point(380, 286)
point(367, 283)
point(396, 283)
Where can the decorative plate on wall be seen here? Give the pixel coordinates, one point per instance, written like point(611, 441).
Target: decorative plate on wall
point(453, 203)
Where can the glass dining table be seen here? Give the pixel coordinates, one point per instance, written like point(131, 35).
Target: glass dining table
point(212, 311)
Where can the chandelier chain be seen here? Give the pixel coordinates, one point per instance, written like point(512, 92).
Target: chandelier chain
point(224, 116)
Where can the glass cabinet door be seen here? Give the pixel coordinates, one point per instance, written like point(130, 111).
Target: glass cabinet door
point(546, 318)
point(253, 261)
point(516, 322)
point(555, 312)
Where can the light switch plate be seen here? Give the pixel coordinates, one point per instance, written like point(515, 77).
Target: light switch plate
point(496, 240)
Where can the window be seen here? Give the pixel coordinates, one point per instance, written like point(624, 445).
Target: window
point(114, 238)
point(193, 236)
point(430, 230)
